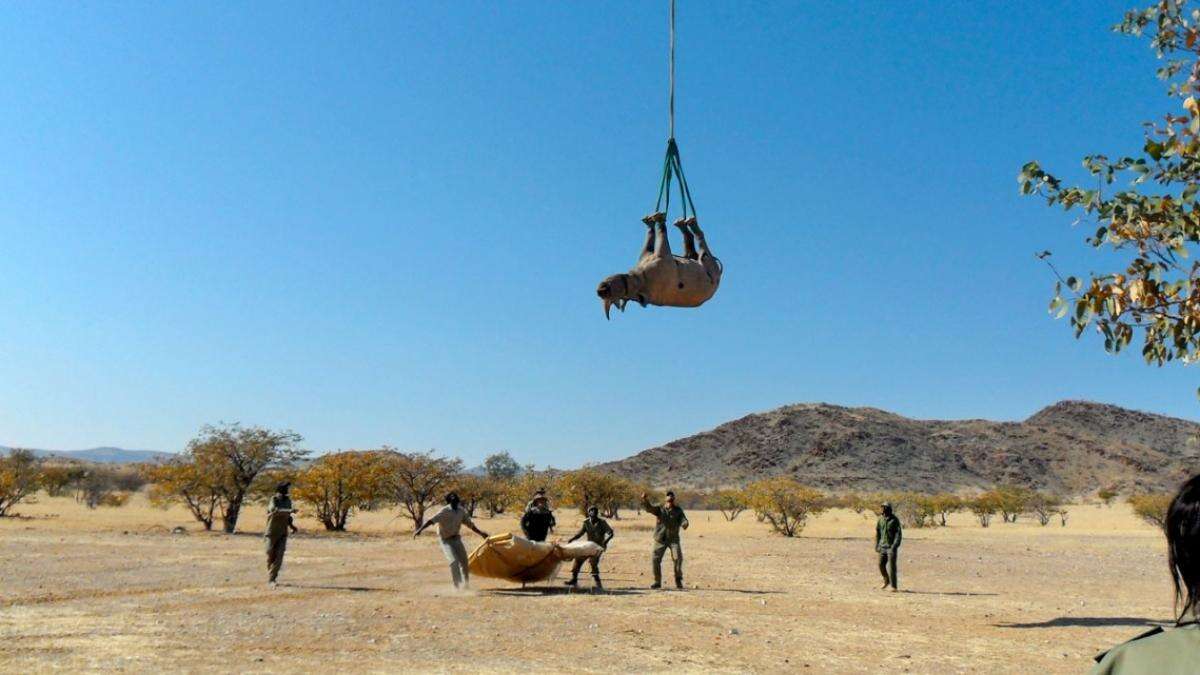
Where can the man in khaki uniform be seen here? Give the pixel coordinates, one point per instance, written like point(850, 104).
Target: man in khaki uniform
point(279, 521)
point(449, 522)
point(671, 520)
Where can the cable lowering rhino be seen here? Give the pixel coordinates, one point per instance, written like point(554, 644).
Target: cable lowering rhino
point(660, 278)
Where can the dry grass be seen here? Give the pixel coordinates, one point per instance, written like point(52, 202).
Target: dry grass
point(113, 589)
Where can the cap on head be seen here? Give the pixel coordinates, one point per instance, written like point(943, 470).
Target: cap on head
point(593, 511)
point(283, 487)
point(452, 498)
point(670, 494)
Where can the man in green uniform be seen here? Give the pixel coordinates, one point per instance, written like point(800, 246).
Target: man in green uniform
point(598, 531)
point(279, 521)
point(1174, 651)
point(666, 536)
point(887, 542)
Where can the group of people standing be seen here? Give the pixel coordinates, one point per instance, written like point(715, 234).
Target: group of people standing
point(537, 522)
point(1172, 651)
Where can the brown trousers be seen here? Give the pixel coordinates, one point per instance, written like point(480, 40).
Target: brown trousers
point(275, 549)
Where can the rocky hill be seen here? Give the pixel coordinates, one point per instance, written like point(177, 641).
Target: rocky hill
point(1071, 447)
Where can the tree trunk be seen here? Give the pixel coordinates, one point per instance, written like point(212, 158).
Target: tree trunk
point(230, 516)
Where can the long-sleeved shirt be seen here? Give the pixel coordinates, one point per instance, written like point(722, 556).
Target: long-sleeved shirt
point(670, 521)
point(597, 531)
point(279, 516)
point(888, 533)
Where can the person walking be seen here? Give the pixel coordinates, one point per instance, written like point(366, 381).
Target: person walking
point(279, 522)
point(671, 520)
point(888, 534)
point(449, 522)
point(598, 531)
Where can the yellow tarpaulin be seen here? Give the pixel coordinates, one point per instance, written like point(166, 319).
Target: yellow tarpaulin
point(513, 558)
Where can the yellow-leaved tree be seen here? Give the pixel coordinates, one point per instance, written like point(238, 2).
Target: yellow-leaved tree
point(785, 503)
point(337, 483)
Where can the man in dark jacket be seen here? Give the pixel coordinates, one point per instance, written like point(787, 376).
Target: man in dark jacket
point(887, 542)
point(279, 521)
point(538, 520)
point(671, 520)
point(598, 531)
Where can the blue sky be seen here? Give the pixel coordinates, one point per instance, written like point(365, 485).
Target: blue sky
point(384, 222)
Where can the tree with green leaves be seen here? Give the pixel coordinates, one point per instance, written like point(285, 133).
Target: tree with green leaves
point(1156, 293)
point(1107, 495)
point(501, 466)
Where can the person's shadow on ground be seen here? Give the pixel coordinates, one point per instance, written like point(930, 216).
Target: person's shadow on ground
point(1087, 622)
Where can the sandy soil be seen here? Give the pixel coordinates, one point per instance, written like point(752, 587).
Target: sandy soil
point(114, 590)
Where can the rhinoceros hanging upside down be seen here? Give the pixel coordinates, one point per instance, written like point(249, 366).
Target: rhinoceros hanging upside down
point(660, 278)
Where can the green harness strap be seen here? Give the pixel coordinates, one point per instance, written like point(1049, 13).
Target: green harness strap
point(673, 170)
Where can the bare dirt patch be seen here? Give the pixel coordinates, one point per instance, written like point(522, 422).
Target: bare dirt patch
point(114, 589)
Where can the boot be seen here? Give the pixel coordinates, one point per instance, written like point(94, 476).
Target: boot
point(655, 586)
point(679, 583)
point(574, 581)
point(598, 585)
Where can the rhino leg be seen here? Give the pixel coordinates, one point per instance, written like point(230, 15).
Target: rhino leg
point(662, 246)
point(699, 234)
point(689, 241)
point(648, 247)
point(650, 220)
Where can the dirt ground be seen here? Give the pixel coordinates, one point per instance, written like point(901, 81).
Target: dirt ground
point(113, 589)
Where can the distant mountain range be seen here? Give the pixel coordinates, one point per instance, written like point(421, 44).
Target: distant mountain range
point(108, 455)
point(1071, 447)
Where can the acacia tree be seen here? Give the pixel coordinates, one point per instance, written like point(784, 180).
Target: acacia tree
point(785, 503)
point(1045, 506)
point(1151, 507)
point(19, 478)
point(944, 504)
point(337, 483)
point(587, 487)
point(417, 478)
point(1156, 293)
point(984, 507)
point(1010, 501)
point(185, 481)
point(730, 503)
point(236, 455)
